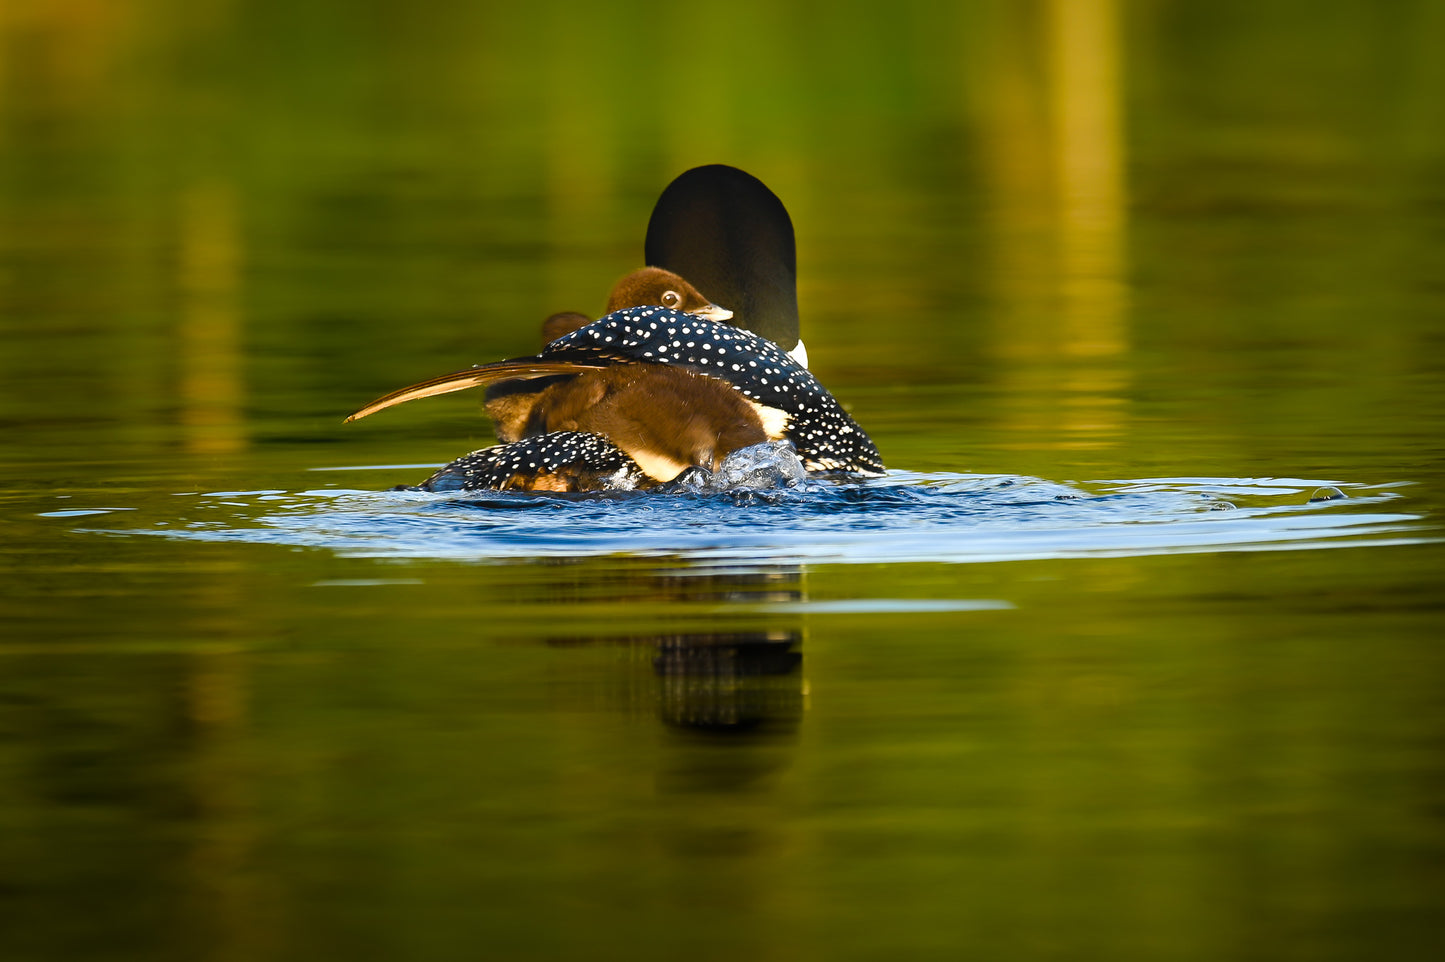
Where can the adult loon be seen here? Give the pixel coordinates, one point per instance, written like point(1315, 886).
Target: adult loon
point(663, 383)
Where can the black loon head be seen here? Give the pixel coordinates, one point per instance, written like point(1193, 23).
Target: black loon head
point(731, 236)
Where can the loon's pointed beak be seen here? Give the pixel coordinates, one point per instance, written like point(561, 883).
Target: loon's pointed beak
point(714, 313)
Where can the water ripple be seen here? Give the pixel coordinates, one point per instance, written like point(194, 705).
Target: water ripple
point(906, 516)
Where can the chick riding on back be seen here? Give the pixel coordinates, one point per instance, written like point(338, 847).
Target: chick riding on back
point(661, 383)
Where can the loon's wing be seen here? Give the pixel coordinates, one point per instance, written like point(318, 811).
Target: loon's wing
point(521, 368)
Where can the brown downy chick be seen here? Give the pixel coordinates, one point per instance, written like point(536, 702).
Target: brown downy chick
point(665, 418)
point(654, 286)
point(642, 288)
point(510, 403)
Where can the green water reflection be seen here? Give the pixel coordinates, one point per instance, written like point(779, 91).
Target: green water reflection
point(1072, 240)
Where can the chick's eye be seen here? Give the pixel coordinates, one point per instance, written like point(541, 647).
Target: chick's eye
point(671, 299)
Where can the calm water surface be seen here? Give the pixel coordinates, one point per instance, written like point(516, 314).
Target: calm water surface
point(1135, 654)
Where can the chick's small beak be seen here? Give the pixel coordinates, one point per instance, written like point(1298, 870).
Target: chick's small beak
point(714, 313)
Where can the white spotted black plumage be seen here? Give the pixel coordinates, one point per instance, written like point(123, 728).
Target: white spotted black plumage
point(826, 437)
point(589, 461)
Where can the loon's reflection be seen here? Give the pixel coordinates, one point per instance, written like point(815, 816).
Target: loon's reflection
point(739, 671)
point(731, 682)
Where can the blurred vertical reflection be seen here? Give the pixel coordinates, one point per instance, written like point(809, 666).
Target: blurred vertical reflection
point(730, 682)
point(730, 678)
point(581, 176)
point(1056, 176)
point(216, 706)
point(209, 351)
point(1089, 147)
point(59, 53)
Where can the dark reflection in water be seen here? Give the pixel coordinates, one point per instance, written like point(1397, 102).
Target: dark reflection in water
point(731, 683)
point(728, 681)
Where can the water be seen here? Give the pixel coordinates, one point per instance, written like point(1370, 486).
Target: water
point(1133, 654)
point(907, 517)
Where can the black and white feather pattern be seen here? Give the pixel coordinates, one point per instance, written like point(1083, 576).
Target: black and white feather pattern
point(825, 436)
point(589, 461)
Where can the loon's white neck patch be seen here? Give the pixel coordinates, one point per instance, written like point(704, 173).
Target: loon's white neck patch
point(800, 354)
